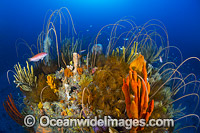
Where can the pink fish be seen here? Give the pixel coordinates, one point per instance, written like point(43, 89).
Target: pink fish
point(38, 57)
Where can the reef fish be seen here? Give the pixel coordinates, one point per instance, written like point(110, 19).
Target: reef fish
point(161, 60)
point(125, 39)
point(82, 51)
point(38, 57)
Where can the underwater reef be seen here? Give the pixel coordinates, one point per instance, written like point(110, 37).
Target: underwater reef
point(133, 79)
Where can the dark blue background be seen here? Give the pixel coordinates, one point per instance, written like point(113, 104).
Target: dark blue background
point(24, 19)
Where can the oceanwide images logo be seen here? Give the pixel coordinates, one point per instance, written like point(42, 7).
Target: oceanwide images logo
point(107, 122)
point(45, 121)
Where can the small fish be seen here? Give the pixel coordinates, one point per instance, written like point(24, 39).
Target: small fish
point(160, 58)
point(82, 51)
point(125, 39)
point(38, 57)
point(121, 48)
point(70, 62)
point(90, 26)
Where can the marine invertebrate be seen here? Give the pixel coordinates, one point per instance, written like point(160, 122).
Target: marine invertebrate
point(41, 67)
point(80, 71)
point(97, 49)
point(120, 52)
point(47, 45)
point(41, 129)
point(75, 60)
point(79, 60)
point(133, 53)
point(12, 111)
point(25, 78)
point(137, 64)
point(51, 83)
point(47, 94)
point(70, 46)
point(59, 74)
point(50, 27)
point(136, 107)
point(85, 80)
point(40, 105)
point(104, 95)
point(151, 52)
point(68, 73)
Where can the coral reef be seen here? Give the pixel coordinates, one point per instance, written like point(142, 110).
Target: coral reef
point(104, 93)
point(121, 83)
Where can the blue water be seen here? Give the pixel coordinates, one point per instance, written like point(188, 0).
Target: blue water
point(24, 19)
